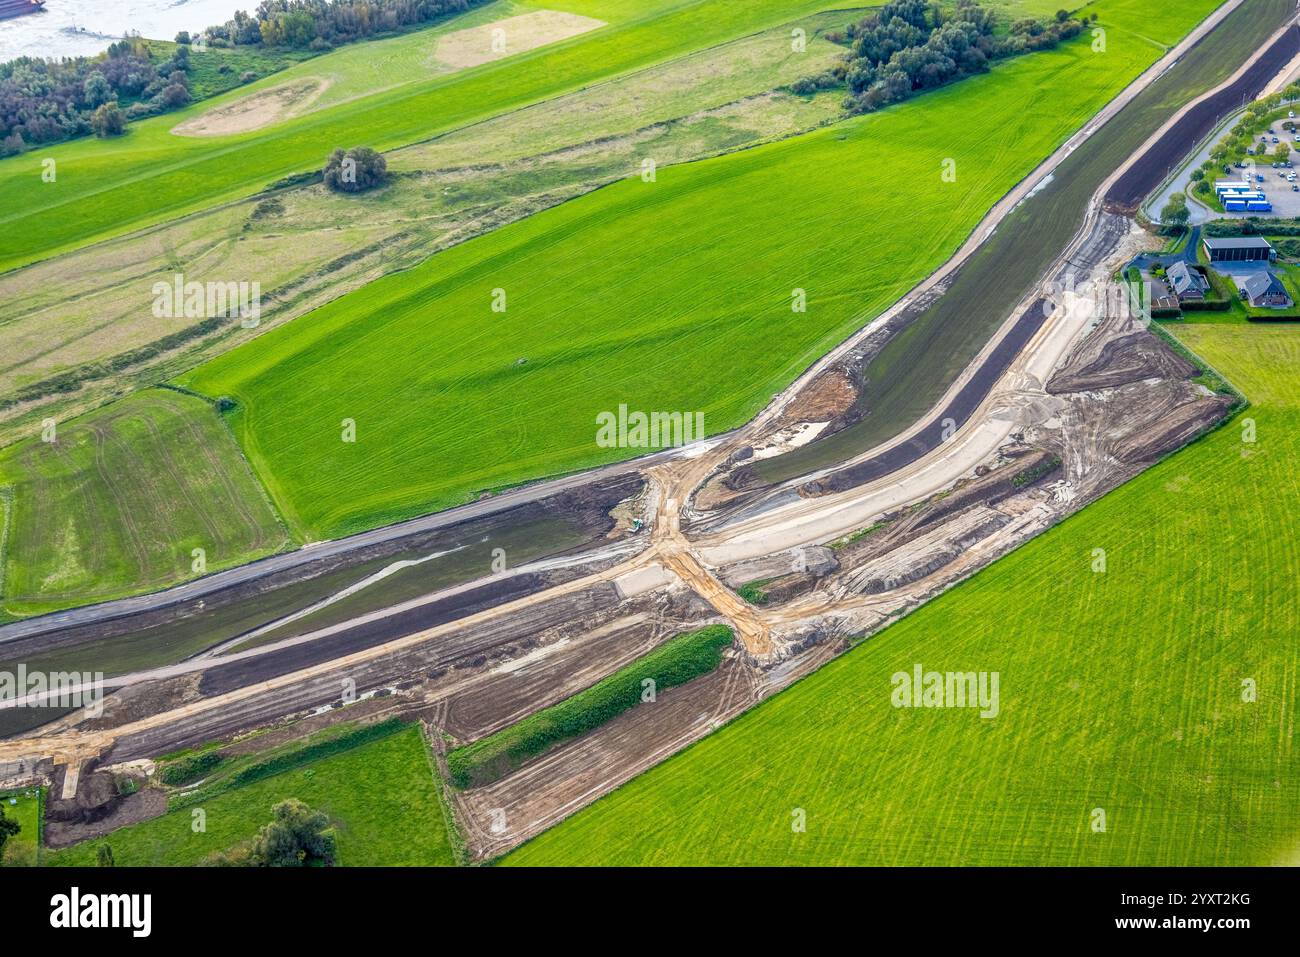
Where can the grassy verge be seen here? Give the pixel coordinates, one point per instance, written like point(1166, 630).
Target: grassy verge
point(681, 659)
point(858, 535)
point(754, 592)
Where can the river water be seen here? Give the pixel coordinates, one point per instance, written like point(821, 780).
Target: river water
point(78, 27)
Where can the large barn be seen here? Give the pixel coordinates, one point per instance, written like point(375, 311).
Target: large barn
point(1236, 249)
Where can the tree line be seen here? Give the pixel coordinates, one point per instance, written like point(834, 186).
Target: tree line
point(322, 24)
point(1249, 139)
point(44, 101)
point(908, 46)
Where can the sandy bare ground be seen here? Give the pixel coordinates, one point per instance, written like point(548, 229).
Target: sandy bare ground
point(256, 110)
point(502, 38)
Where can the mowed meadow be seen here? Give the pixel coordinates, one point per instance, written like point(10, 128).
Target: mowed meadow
point(671, 295)
point(1123, 691)
point(109, 187)
point(120, 500)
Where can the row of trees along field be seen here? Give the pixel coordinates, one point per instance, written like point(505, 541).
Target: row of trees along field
point(909, 45)
point(1248, 139)
point(321, 24)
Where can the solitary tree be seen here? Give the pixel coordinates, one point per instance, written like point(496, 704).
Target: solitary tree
point(297, 837)
point(1175, 213)
point(355, 170)
point(104, 856)
point(108, 120)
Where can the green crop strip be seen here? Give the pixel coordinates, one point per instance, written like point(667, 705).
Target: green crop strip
point(681, 659)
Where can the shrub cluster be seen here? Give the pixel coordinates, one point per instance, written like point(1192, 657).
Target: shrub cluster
point(44, 101)
point(1252, 226)
point(355, 170)
point(189, 769)
point(908, 46)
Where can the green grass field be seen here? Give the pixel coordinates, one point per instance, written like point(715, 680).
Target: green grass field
point(380, 797)
point(23, 849)
point(75, 314)
point(371, 66)
point(657, 295)
point(109, 187)
point(121, 500)
point(1120, 690)
point(208, 79)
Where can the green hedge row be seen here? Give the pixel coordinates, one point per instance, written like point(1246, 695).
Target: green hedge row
point(676, 662)
point(1251, 226)
point(187, 770)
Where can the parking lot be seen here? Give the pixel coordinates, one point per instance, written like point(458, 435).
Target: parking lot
point(1285, 200)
